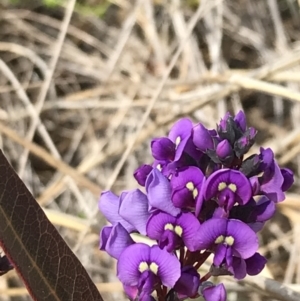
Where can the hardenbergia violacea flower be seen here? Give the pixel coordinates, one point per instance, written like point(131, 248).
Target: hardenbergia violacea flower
point(203, 197)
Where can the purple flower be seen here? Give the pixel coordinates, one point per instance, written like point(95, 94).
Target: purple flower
point(255, 264)
point(187, 186)
point(109, 206)
point(201, 199)
point(243, 144)
point(288, 178)
point(224, 151)
point(272, 179)
point(180, 134)
point(251, 266)
point(126, 209)
point(240, 120)
point(202, 138)
point(159, 192)
point(253, 211)
point(188, 283)
point(163, 149)
point(142, 173)
point(214, 293)
point(227, 238)
point(145, 267)
point(134, 293)
point(114, 239)
point(228, 129)
point(134, 209)
point(172, 232)
point(228, 187)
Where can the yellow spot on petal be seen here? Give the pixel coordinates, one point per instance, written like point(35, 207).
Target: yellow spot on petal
point(158, 166)
point(169, 227)
point(195, 193)
point(222, 186)
point(229, 240)
point(178, 231)
point(232, 187)
point(143, 266)
point(190, 186)
point(154, 268)
point(219, 239)
point(177, 141)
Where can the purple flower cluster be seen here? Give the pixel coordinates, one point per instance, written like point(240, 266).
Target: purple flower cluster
point(202, 198)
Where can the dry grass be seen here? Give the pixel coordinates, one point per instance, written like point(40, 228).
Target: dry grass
point(81, 97)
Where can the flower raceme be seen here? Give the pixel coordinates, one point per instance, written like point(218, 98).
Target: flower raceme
point(203, 198)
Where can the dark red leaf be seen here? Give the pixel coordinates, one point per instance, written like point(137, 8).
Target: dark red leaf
point(49, 269)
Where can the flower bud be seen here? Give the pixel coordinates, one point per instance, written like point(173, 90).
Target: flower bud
point(240, 120)
point(202, 138)
point(224, 150)
point(142, 173)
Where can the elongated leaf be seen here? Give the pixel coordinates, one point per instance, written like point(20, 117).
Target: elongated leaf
point(51, 272)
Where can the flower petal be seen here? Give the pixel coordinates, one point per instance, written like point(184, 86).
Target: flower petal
point(134, 209)
point(215, 293)
point(240, 120)
point(159, 192)
point(209, 231)
point(255, 264)
point(202, 137)
point(182, 128)
point(188, 283)
point(272, 181)
point(228, 179)
point(141, 173)
point(191, 230)
point(156, 224)
point(288, 178)
point(109, 206)
point(119, 239)
point(220, 254)
point(163, 149)
point(168, 266)
point(129, 261)
point(186, 186)
point(180, 134)
point(263, 210)
point(238, 268)
point(245, 239)
point(104, 236)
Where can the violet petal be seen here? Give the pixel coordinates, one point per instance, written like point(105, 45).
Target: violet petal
point(134, 209)
point(190, 227)
point(215, 293)
point(159, 192)
point(157, 223)
point(119, 239)
point(163, 149)
point(288, 178)
point(229, 179)
point(255, 264)
point(129, 262)
point(141, 173)
point(245, 239)
point(188, 283)
point(238, 268)
point(168, 266)
point(109, 206)
point(240, 120)
point(202, 138)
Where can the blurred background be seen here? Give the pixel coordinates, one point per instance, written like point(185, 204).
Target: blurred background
point(85, 85)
